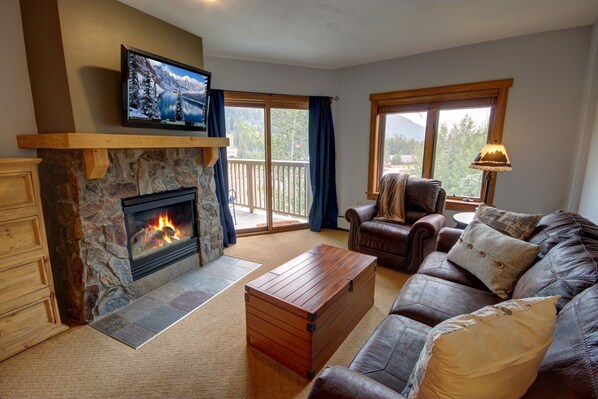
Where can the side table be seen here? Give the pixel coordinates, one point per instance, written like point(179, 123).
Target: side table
point(463, 219)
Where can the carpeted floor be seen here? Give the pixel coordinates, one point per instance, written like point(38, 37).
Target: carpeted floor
point(203, 356)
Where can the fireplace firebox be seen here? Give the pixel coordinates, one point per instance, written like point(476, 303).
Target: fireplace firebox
point(161, 229)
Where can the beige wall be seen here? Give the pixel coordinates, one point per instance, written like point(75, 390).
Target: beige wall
point(91, 33)
point(541, 120)
point(16, 106)
point(587, 165)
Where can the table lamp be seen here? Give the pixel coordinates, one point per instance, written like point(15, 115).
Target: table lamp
point(492, 158)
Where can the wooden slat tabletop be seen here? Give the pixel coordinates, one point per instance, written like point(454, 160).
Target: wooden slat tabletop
point(307, 284)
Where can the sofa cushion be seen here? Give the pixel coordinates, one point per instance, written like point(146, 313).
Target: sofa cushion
point(390, 353)
point(495, 258)
point(431, 300)
point(559, 226)
point(385, 237)
point(437, 265)
point(570, 367)
point(422, 194)
point(567, 269)
point(494, 352)
point(516, 225)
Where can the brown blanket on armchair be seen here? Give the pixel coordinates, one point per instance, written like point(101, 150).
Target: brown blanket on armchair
point(391, 204)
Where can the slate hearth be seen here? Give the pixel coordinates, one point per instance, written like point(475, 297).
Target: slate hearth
point(147, 317)
point(86, 226)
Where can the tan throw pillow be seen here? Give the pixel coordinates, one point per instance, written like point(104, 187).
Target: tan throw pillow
point(496, 259)
point(516, 225)
point(494, 352)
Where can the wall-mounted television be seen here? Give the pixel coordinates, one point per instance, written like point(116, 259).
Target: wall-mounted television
point(162, 93)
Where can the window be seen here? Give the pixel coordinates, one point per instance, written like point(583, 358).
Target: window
point(268, 161)
point(436, 133)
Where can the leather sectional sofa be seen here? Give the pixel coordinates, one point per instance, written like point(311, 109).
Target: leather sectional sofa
point(566, 266)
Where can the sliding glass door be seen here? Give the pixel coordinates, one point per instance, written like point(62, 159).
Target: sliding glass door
point(268, 161)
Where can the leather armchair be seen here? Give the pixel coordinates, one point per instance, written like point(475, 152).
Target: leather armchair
point(402, 246)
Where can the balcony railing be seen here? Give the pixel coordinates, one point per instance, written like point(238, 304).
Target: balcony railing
point(291, 192)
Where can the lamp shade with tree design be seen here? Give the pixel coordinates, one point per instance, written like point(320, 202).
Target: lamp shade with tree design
point(492, 158)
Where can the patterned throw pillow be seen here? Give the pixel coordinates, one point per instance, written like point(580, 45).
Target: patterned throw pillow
point(494, 352)
point(516, 225)
point(496, 259)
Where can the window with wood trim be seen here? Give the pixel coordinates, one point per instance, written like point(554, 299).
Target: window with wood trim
point(436, 133)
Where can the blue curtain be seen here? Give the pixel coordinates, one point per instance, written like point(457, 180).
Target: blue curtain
point(217, 128)
point(322, 169)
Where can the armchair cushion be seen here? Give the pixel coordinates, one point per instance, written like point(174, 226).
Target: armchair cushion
point(422, 194)
point(385, 237)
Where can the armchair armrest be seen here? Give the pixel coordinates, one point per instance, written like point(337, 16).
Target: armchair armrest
point(447, 238)
point(422, 239)
point(343, 383)
point(356, 216)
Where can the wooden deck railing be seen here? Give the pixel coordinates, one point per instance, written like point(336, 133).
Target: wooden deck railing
point(291, 190)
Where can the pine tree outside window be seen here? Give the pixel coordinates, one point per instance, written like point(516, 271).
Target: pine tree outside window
point(435, 133)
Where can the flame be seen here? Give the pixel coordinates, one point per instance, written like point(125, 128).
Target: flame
point(164, 221)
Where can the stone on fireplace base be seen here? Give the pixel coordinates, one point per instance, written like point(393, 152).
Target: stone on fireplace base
point(164, 276)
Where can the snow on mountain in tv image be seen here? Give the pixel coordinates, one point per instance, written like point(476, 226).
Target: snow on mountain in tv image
point(161, 91)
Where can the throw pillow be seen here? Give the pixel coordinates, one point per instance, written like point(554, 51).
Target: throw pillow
point(496, 259)
point(516, 225)
point(494, 352)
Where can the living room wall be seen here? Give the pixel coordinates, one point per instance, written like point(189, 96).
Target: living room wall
point(541, 120)
point(16, 104)
point(87, 73)
point(586, 169)
point(260, 77)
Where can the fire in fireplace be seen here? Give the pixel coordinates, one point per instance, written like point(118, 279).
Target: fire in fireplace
point(161, 229)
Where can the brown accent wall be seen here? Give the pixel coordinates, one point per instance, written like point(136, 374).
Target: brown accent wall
point(73, 50)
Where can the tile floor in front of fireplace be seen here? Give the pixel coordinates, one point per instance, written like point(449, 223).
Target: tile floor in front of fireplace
point(147, 317)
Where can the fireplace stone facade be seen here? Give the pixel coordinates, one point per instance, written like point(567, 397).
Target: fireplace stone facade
point(86, 227)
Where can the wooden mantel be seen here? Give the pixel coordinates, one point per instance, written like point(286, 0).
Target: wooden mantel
point(95, 146)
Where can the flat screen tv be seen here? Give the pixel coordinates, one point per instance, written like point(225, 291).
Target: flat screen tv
point(162, 93)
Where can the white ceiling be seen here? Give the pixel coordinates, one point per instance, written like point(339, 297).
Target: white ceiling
point(339, 33)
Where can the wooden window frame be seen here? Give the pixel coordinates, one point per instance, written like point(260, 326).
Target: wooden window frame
point(432, 99)
point(266, 101)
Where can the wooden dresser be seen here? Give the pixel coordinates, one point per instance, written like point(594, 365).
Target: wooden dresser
point(28, 308)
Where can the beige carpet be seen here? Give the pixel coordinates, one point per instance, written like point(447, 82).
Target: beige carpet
point(203, 356)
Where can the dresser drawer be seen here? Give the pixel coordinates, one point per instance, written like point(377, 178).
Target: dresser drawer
point(26, 323)
point(22, 279)
point(20, 235)
point(16, 190)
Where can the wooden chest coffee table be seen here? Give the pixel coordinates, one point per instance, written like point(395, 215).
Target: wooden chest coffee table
point(300, 312)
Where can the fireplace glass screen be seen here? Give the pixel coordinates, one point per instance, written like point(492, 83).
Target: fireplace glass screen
point(161, 229)
point(154, 229)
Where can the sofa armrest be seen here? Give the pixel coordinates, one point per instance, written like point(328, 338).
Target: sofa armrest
point(447, 238)
point(356, 216)
point(422, 239)
point(342, 383)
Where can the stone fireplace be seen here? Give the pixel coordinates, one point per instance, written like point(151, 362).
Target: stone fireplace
point(155, 210)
